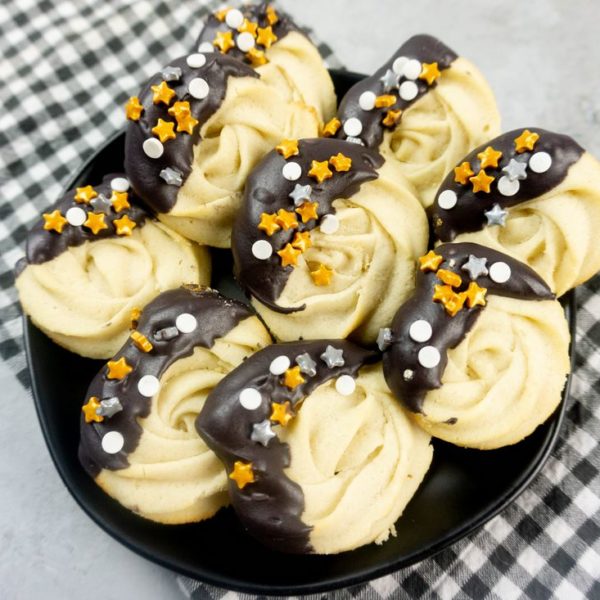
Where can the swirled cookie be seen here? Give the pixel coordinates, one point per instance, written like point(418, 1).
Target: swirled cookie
point(424, 108)
point(320, 457)
point(274, 45)
point(480, 352)
point(138, 439)
point(196, 131)
point(532, 194)
point(96, 257)
point(326, 240)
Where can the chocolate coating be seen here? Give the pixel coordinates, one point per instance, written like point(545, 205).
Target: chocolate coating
point(143, 171)
point(216, 316)
point(271, 507)
point(268, 191)
point(468, 214)
point(448, 332)
point(425, 49)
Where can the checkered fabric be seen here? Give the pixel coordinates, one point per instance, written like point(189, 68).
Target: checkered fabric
point(68, 67)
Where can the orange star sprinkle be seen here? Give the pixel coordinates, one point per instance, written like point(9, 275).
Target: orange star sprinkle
point(430, 72)
point(124, 225)
point(89, 411)
point(308, 210)
point(221, 14)
point(450, 300)
point(162, 93)
point(288, 148)
point(54, 221)
point(430, 262)
point(141, 341)
point(462, 173)
point(450, 277)
point(475, 295)
point(340, 162)
point(526, 141)
point(302, 241)
point(281, 413)
point(133, 109)
point(489, 157)
point(322, 275)
point(272, 17)
point(289, 256)
point(331, 127)
point(293, 378)
point(391, 118)
point(248, 26)
point(320, 170)
point(95, 222)
point(164, 130)
point(118, 369)
point(256, 57)
point(286, 219)
point(224, 41)
point(385, 101)
point(83, 195)
point(481, 182)
point(268, 223)
point(134, 317)
point(266, 37)
point(119, 201)
point(242, 474)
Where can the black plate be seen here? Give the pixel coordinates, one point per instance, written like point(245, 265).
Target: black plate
point(463, 489)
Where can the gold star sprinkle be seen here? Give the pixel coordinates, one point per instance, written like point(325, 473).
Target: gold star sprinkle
point(256, 57)
point(385, 101)
point(248, 26)
point(133, 109)
point(119, 201)
point(288, 148)
point(450, 277)
point(475, 295)
point(430, 72)
point(141, 341)
point(331, 127)
point(293, 378)
point(54, 221)
point(341, 162)
point(89, 411)
point(118, 369)
point(289, 256)
point(462, 173)
point(489, 157)
point(526, 141)
point(242, 474)
point(281, 413)
point(450, 300)
point(308, 210)
point(183, 115)
point(162, 93)
point(272, 17)
point(320, 170)
point(268, 223)
point(266, 37)
point(134, 317)
point(83, 195)
point(302, 241)
point(286, 219)
point(322, 275)
point(391, 118)
point(430, 262)
point(124, 225)
point(95, 222)
point(481, 182)
point(224, 41)
point(221, 14)
point(164, 130)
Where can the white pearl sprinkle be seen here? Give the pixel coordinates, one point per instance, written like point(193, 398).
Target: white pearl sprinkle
point(292, 171)
point(329, 224)
point(76, 216)
point(119, 184)
point(412, 69)
point(447, 199)
point(195, 61)
point(262, 249)
point(279, 365)
point(153, 148)
point(245, 41)
point(112, 442)
point(500, 272)
point(250, 398)
point(148, 386)
point(353, 127)
point(206, 47)
point(367, 100)
point(399, 64)
point(429, 357)
point(234, 18)
point(186, 323)
point(345, 385)
point(507, 187)
point(540, 162)
point(408, 90)
point(198, 88)
point(420, 331)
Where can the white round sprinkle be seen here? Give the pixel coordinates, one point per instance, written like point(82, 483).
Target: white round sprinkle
point(292, 171)
point(399, 64)
point(420, 331)
point(112, 442)
point(507, 187)
point(279, 365)
point(345, 385)
point(186, 323)
point(119, 184)
point(447, 199)
point(540, 162)
point(329, 224)
point(198, 88)
point(408, 90)
point(367, 100)
point(412, 69)
point(148, 386)
point(250, 398)
point(500, 272)
point(262, 250)
point(429, 357)
point(353, 127)
point(195, 61)
point(76, 216)
point(234, 18)
point(245, 41)
point(153, 148)
point(206, 47)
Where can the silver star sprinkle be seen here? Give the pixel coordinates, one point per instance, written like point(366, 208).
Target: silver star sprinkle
point(333, 357)
point(101, 204)
point(384, 338)
point(166, 334)
point(109, 407)
point(307, 364)
point(389, 80)
point(515, 170)
point(408, 374)
point(262, 432)
point(355, 140)
point(171, 73)
point(496, 215)
point(475, 266)
point(300, 194)
point(172, 176)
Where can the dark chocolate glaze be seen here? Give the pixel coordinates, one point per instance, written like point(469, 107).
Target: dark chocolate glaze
point(144, 172)
point(271, 507)
point(468, 213)
point(216, 316)
point(448, 332)
point(268, 191)
point(43, 245)
point(425, 49)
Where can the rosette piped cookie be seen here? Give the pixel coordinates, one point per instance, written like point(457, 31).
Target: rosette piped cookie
point(532, 194)
point(138, 439)
point(320, 457)
point(425, 108)
point(327, 239)
point(283, 56)
point(196, 131)
point(480, 352)
point(95, 258)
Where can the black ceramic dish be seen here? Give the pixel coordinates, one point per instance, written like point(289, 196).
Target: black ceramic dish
point(462, 491)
